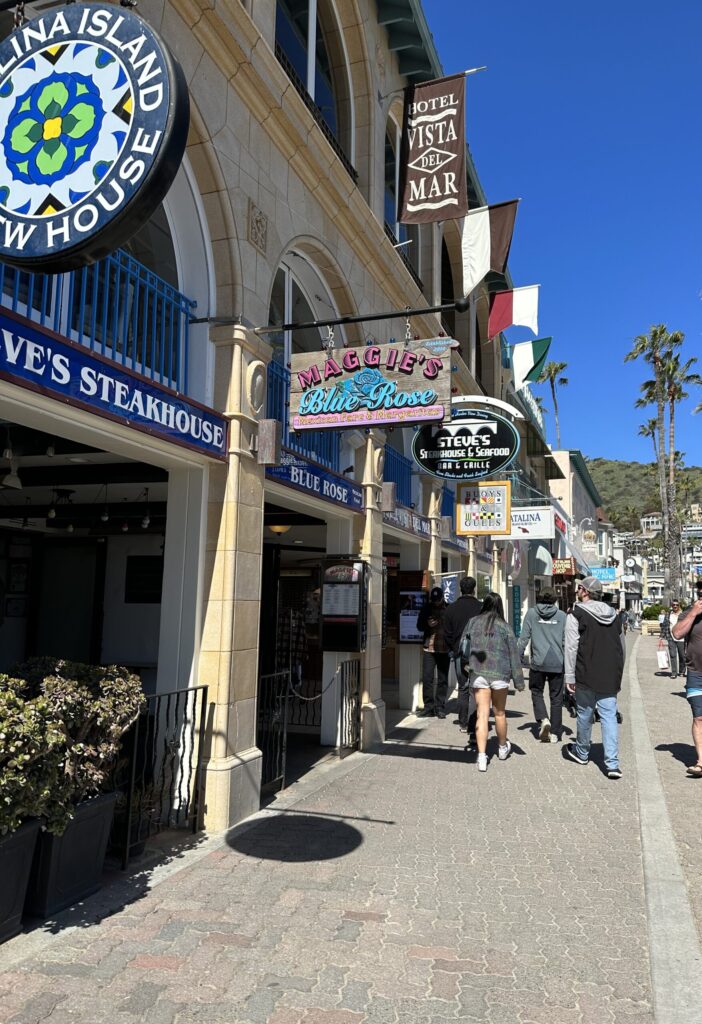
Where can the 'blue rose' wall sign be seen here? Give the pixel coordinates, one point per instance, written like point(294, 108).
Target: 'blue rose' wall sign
point(94, 116)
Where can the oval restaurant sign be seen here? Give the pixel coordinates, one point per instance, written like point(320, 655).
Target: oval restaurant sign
point(475, 444)
point(374, 385)
point(94, 116)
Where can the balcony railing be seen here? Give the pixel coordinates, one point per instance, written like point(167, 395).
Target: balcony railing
point(398, 470)
point(389, 233)
point(115, 307)
point(323, 446)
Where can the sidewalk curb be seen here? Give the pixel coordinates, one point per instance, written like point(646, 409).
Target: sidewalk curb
point(673, 941)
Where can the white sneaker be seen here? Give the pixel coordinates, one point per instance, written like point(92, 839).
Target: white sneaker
point(504, 752)
point(545, 731)
point(482, 762)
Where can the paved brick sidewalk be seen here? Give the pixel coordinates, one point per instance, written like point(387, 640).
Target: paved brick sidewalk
point(407, 889)
point(669, 723)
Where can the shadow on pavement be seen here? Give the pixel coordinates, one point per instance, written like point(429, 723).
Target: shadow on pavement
point(682, 752)
point(296, 838)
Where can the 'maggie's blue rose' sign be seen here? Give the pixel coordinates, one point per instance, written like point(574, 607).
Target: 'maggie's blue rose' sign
point(94, 117)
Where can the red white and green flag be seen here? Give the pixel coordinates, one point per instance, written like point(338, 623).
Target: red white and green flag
point(520, 306)
point(528, 359)
point(486, 237)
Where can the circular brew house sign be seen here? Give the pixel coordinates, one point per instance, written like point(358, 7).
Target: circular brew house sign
point(477, 443)
point(94, 116)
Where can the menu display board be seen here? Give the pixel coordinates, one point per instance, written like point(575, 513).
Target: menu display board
point(344, 604)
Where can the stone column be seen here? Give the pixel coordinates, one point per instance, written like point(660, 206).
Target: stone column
point(472, 564)
point(228, 661)
point(410, 660)
point(434, 516)
point(372, 704)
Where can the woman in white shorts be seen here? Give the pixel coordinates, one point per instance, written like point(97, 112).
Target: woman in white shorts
point(493, 661)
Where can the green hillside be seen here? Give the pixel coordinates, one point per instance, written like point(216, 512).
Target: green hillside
point(635, 484)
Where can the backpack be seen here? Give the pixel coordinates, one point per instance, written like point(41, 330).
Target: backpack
point(464, 652)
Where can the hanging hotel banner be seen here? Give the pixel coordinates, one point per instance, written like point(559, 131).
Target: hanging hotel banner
point(94, 117)
point(433, 182)
point(532, 523)
point(378, 385)
point(484, 509)
point(477, 443)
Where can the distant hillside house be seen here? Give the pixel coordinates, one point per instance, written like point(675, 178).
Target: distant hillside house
point(652, 522)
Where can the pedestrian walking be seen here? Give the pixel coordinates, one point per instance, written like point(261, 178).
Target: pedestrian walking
point(543, 631)
point(430, 622)
point(493, 661)
point(594, 665)
point(688, 629)
point(676, 648)
point(456, 616)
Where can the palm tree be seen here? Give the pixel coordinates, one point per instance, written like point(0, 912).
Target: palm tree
point(648, 429)
point(551, 374)
point(678, 378)
point(656, 348)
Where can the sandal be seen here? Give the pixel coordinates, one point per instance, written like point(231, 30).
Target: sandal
point(695, 771)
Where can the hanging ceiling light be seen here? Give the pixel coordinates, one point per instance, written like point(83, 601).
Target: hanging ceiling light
point(279, 528)
point(51, 514)
point(125, 526)
point(69, 528)
point(105, 514)
point(11, 479)
point(51, 450)
point(146, 521)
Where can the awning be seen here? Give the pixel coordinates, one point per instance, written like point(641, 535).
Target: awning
point(578, 556)
point(540, 559)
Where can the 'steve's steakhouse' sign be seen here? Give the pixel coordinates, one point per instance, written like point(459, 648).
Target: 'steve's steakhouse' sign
point(478, 443)
point(94, 116)
point(376, 385)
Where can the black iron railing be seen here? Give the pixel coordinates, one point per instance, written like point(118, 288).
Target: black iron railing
point(403, 255)
point(271, 728)
point(350, 730)
point(160, 778)
point(316, 111)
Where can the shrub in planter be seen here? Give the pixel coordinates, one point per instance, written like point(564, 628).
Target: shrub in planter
point(30, 755)
point(92, 707)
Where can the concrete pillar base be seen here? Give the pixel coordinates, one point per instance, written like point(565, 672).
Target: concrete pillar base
point(232, 789)
point(372, 724)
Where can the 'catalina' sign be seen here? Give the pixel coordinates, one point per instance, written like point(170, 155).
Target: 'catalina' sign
point(94, 116)
point(379, 385)
point(476, 444)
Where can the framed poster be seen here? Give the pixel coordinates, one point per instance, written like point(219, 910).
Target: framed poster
point(18, 577)
point(411, 603)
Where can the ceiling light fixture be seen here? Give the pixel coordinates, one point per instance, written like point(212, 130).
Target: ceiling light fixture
point(69, 528)
point(279, 528)
point(105, 515)
point(11, 479)
point(146, 521)
point(51, 451)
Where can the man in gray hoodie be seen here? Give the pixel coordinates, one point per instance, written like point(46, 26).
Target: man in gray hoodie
point(544, 629)
point(594, 665)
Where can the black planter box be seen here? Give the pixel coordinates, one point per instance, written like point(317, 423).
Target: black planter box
point(68, 868)
point(16, 852)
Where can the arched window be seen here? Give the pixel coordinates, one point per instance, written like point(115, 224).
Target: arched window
point(406, 235)
point(298, 296)
point(308, 43)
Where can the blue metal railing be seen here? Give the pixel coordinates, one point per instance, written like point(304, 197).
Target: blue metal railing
point(448, 501)
point(116, 307)
point(398, 470)
point(323, 446)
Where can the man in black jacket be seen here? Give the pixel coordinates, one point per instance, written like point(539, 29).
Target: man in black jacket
point(594, 665)
point(456, 617)
point(430, 622)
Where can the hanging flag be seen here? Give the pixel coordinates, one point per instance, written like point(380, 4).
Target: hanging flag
point(528, 360)
point(519, 306)
point(486, 237)
point(433, 182)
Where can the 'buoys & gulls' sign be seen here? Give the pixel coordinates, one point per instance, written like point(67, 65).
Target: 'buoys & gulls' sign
point(94, 116)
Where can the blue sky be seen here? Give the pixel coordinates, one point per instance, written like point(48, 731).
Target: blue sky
point(591, 114)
